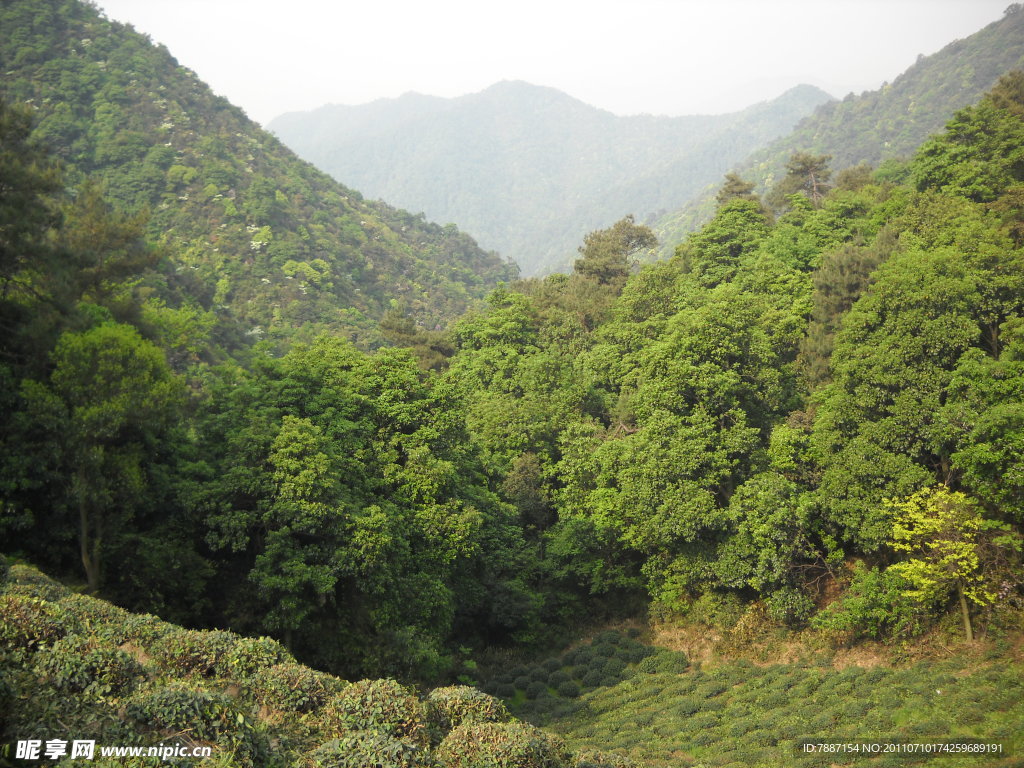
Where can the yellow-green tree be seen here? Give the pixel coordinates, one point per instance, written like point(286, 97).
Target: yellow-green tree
point(950, 546)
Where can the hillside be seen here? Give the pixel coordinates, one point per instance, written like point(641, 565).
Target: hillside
point(75, 667)
point(529, 170)
point(261, 235)
point(875, 126)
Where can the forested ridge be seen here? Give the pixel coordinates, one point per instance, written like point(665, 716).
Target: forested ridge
point(809, 421)
point(530, 170)
point(886, 124)
point(259, 241)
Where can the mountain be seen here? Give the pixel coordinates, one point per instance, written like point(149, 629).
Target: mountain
point(889, 123)
point(255, 232)
point(530, 170)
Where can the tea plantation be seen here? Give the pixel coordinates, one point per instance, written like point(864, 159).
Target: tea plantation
point(651, 705)
point(75, 667)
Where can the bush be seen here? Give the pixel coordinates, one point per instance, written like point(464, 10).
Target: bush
point(613, 668)
point(591, 758)
point(790, 606)
point(505, 691)
point(194, 652)
point(28, 622)
point(535, 688)
point(382, 705)
point(292, 687)
point(603, 650)
point(521, 682)
point(29, 582)
point(76, 664)
point(4, 571)
point(247, 656)
point(593, 678)
point(551, 664)
point(502, 745)
point(450, 707)
point(568, 689)
point(360, 749)
point(558, 677)
point(205, 716)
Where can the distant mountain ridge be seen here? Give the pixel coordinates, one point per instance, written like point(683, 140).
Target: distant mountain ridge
point(526, 169)
point(891, 122)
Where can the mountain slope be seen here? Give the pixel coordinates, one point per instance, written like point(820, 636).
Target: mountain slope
point(261, 234)
point(890, 122)
point(529, 170)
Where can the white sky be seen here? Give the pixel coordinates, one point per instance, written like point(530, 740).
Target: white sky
point(669, 57)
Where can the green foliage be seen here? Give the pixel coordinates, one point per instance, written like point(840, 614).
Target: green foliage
point(502, 745)
point(29, 622)
point(206, 716)
point(357, 749)
point(452, 706)
point(875, 605)
point(76, 665)
point(382, 705)
point(291, 687)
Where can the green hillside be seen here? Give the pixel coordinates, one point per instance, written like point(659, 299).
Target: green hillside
point(875, 126)
point(73, 666)
point(529, 170)
point(261, 236)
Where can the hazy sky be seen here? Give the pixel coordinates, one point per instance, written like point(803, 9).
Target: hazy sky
point(656, 56)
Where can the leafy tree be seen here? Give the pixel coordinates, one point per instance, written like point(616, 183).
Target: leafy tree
point(606, 255)
point(110, 400)
point(944, 533)
point(806, 174)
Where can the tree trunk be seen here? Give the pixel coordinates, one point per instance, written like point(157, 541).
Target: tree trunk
point(966, 613)
point(88, 549)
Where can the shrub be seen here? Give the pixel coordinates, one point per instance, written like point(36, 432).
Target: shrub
point(609, 636)
point(521, 682)
point(502, 745)
point(194, 652)
point(383, 705)
point(97, 617)
point(26, 580)
point(203, 715)
point(613, 668)
point(76, 664)
point(292, 687)
point(360, 749)
point(246, 656)
point(456, 705)
point(558, 677)
point(568, 689)
point(27, 622)
point(535, 688)
point(593, 678)
point(4, 571)
point(539, 674)
point(505, 691)
point(790, 606)
point(603, 650)
point(551, 664)
point(591, 758)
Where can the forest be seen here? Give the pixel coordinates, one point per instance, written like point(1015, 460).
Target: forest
point(806, 425)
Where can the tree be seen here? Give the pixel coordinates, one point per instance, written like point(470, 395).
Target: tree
point(734, 188)
point(111, 399)
point(807, 175)
point(944, 532)
point(607, 254)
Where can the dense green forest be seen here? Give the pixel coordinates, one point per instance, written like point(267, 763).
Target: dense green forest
point(809, 421)
point(530, 170)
